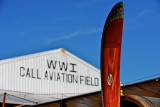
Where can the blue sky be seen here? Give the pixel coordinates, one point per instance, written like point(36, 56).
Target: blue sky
point(31, 26)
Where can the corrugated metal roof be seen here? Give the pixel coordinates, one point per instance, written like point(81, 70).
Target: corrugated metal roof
point(61, 50)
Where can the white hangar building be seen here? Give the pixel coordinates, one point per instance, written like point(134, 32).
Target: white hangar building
point(46, 76)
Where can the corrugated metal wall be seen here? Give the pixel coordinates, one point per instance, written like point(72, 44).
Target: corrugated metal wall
point(51, 72)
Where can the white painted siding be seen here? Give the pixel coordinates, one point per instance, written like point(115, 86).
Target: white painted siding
point(14, 74)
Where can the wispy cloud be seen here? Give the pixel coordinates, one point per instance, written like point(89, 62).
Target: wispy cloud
point(146, 12)
point(141, 14)
point(85, 3)
point(74, 34)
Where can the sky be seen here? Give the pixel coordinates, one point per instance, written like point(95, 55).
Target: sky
point(32, 26)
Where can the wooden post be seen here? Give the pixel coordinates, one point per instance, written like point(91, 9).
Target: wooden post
point(4, 100)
